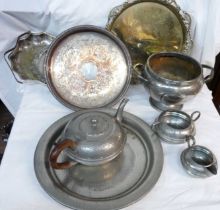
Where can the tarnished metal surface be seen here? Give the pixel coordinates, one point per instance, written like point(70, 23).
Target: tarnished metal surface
point(199, 161)
point(150, 26)
point(113, 185)
point(88, 68)
point(99, 138)
point(27, 57)
point(173, 78)
point(174, 126)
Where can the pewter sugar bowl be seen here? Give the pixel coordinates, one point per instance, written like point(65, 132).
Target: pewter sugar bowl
point(172, 79)
point(174, 126)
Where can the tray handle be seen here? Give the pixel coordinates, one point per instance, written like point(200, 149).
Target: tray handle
point(6, 56)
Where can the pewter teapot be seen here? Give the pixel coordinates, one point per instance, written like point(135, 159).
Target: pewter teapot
point(92, 138)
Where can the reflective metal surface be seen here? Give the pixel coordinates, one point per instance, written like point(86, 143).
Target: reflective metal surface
point(113, 185)
point(98, 138)
point(172, 79)
point(199, 161)
point(26, 59)
point(88, 67)
point(174, 126)
point(151, 26)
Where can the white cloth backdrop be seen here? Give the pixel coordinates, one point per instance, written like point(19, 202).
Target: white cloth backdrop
point(54, 16)
point(175, 190)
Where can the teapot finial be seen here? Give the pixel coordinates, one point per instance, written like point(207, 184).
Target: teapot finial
point(120, 109)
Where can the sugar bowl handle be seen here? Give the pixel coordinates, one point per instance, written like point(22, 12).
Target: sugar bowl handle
point(154, 125)
point(67, 143)
point(195, 115)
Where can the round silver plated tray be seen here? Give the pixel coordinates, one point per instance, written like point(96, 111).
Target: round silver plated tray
point(26, 59)
point(87, 67)
point(113, 185)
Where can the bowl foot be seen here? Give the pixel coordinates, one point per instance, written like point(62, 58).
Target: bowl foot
point(162, 107)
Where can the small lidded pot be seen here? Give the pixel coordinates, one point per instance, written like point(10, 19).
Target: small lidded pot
point(174, 126)
point(93, 138)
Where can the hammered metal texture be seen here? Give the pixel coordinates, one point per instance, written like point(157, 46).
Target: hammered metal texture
point(98, 142)
point(88, 69)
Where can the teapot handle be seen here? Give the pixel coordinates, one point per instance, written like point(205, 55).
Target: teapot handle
point(67, 143)
point(211, 75)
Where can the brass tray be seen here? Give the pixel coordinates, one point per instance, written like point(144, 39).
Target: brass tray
point(26, 59)
point(113, 185)
point(151, 26)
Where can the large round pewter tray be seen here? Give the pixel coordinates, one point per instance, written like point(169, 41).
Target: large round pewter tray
point(113, 185)
point(87, 67)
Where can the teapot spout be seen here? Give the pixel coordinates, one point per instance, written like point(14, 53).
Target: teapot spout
point(212, 169)
point(119, 113)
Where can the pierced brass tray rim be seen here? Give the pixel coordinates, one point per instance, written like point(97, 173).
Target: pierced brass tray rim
point(183, 17)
